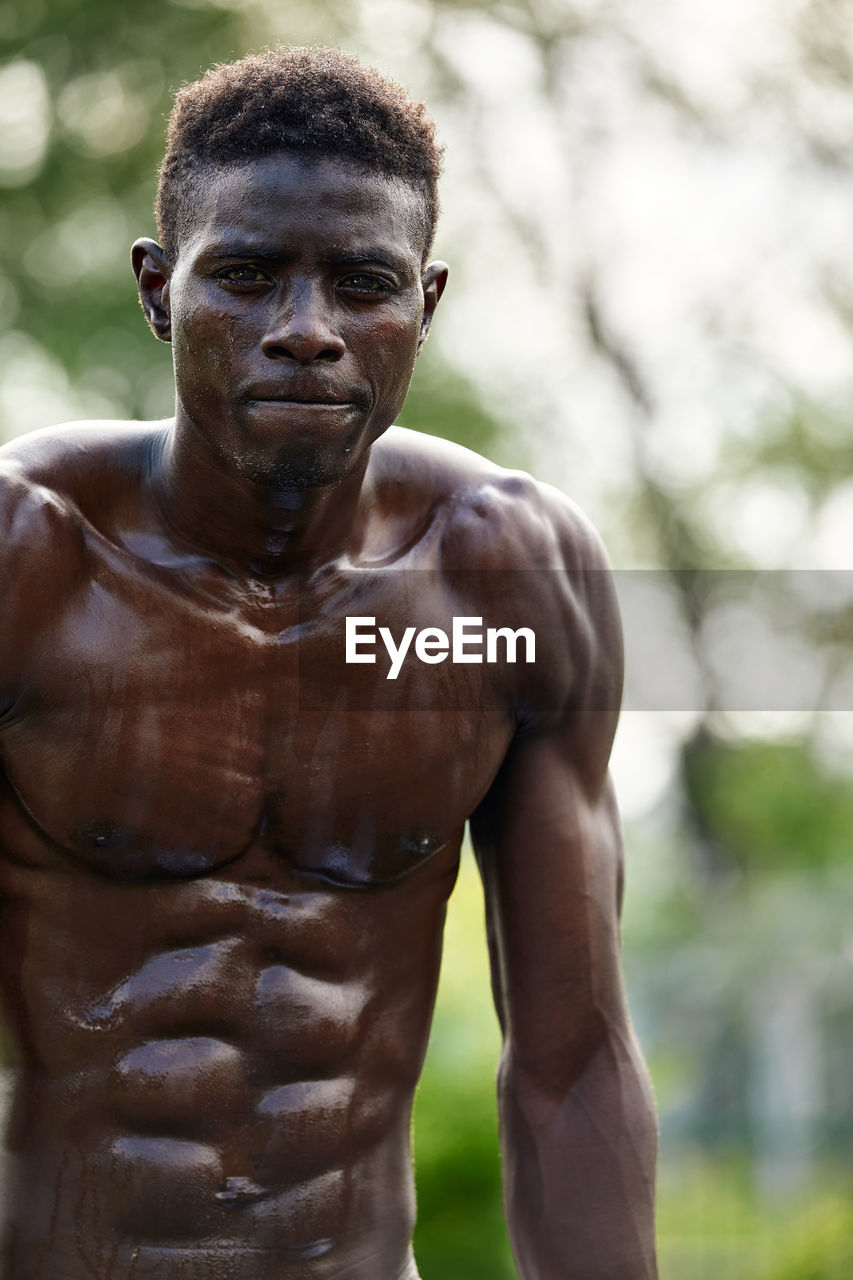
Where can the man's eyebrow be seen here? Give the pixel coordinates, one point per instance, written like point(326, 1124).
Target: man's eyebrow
point(357, 257)
point(241, 249)
point(360, 256)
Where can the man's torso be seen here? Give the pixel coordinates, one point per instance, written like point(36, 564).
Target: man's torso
point(224, 857)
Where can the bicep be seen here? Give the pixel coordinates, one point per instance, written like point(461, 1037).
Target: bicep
point(548, 843)
point(550, 856)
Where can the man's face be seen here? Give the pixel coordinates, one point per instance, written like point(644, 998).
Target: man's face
point(297, 306)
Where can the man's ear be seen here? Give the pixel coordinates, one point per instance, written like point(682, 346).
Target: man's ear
point(433, 280)
point(153, 269)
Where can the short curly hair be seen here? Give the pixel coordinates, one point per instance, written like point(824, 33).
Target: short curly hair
point(307, 100)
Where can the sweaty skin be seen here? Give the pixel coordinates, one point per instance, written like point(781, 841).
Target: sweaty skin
point(225, 854)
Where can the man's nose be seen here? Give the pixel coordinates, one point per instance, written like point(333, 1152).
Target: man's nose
point(301, 328)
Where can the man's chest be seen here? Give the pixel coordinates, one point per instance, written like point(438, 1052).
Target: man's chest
point(160, 734)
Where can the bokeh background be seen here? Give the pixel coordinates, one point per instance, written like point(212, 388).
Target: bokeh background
point(648, 210)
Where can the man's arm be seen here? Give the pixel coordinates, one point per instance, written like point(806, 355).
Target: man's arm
point(578, 1130)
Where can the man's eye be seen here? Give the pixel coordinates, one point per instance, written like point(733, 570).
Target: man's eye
point(243, 275)
point(372, 286)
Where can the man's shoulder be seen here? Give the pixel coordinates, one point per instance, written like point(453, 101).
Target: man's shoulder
point(520, 550)
point(54, 456)
point(45, 474)
point(490, 516)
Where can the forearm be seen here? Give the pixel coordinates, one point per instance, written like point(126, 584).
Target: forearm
point(579, 1169)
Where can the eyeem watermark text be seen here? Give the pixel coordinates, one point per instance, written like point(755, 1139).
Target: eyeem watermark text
point(432, 644)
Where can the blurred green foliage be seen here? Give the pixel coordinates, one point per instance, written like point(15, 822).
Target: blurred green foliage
point(713, 1226)
point(769, 806)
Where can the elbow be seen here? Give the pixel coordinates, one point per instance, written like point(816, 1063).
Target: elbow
point(540, 1079)
point(602, 1063)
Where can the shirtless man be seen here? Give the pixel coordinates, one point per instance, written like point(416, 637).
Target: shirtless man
point(225, 851)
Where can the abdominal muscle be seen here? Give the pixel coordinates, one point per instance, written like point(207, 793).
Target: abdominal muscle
point(216, 1084)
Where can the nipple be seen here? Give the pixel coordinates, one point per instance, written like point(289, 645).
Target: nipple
point(101, 835)
point(420, 844)
point(240, 1191)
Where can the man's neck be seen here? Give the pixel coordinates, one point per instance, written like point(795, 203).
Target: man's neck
point(251, 527)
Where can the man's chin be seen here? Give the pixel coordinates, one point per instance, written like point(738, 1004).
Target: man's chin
point(294, 473)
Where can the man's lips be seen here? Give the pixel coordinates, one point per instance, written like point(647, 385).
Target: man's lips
point(298, 402)
point(304, 397)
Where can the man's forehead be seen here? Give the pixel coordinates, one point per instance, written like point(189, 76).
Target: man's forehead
point(258, 200)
